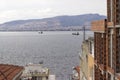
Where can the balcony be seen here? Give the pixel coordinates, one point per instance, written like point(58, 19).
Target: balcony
point(99, 26)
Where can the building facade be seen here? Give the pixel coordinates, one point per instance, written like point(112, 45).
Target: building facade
point(87, 60)
point(107, 43)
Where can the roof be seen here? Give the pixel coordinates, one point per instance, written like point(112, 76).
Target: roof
point(9, 72)
point(35, 70)
point(77, 68)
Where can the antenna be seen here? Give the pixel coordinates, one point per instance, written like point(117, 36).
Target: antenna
point(84, 33)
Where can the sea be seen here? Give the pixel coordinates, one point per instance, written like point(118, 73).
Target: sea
point(58, 50)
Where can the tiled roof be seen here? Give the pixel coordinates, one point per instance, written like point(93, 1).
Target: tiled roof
point(77, 68)
point(8, 72)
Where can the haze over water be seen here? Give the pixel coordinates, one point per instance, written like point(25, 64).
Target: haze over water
point(58, 50)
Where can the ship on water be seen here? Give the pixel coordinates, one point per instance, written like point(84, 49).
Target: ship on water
point(40, 32)
point(77, 33)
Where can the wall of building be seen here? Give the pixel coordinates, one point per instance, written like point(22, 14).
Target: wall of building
point(98, 26)
point(84, 63)
point(107, 44)
point(87, 60)
point(90, 67)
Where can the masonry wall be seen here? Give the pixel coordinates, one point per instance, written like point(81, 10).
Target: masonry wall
point(100, 55)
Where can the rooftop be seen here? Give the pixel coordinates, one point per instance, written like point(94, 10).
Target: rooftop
point(35, 70)
point(9, 72)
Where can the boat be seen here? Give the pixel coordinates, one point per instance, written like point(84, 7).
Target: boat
point(40, 32)
point(75, 33)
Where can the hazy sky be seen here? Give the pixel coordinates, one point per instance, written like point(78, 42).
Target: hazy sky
point(37, 9)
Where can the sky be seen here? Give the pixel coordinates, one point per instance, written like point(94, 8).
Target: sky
point(38, 9)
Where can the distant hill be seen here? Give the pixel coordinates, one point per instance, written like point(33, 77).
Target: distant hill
point(54, 23)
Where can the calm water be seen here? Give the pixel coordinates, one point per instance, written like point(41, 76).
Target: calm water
point(58, 50)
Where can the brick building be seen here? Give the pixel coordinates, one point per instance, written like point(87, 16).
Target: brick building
point(107, 43)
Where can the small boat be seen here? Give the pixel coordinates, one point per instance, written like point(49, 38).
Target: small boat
point(40, 32)
point(75, 33)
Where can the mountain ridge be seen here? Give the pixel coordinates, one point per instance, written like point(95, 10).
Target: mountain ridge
point(64, 22)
